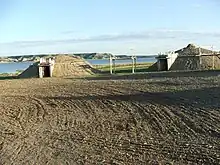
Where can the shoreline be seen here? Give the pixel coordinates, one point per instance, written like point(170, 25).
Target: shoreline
point(15, 62)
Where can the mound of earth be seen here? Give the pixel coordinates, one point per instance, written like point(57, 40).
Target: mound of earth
point(188, 59)
point(65, 66)
point(192, 50)
point(207, 62)
point(30, 72)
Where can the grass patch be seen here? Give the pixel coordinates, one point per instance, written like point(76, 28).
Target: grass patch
point(19, 72)
point(125, 68)
point(6, 76)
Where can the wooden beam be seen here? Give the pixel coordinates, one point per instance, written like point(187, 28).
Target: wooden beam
point(113, 61)
point(132, 58)
point(110, 64)
point(213, 62)
point(135, 64)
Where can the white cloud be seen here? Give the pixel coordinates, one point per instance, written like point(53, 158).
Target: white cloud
point(149, 41)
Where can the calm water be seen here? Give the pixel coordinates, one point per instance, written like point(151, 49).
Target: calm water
point(12, 67)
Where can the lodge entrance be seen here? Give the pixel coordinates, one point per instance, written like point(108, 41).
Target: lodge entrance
point(46, 71)
point(163, 65)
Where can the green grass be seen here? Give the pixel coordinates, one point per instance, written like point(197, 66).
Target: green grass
point(125, 68)
point(6, 76)
point(19, 71)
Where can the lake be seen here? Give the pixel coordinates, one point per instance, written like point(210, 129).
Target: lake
point(13, 67)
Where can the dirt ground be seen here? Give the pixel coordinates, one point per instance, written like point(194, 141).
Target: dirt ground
point(141, 120)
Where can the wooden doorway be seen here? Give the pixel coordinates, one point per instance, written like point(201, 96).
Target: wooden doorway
point(46, 71)
point(163, 65)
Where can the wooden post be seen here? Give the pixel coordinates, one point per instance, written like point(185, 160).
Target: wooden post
point(200, 63)
point(158, 64)
point(40, 72)
point(110, 64)
point(114, 64)
point(213, 59)
point(132, 64)
point(135, 64)
point(213, 62)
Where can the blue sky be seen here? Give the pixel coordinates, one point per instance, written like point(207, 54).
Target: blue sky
point(114, 26)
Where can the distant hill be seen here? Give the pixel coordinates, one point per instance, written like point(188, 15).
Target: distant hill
point(82, 55)
point(37, 57)
point(93, 55)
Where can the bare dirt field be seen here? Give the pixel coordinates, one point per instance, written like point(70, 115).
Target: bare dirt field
point(141, 120)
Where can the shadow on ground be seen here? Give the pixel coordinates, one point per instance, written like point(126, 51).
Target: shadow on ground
point(167, 74)
point(188, 105)
point(197, 98)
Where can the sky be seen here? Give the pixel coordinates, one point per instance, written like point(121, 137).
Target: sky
point(141, 27)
